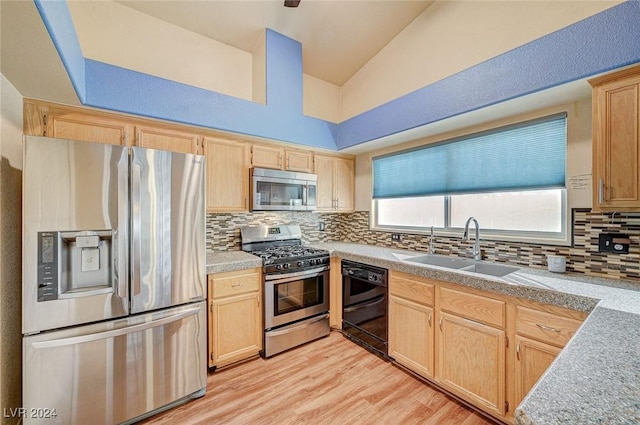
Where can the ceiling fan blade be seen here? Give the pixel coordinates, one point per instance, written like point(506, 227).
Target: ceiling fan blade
point(291, 3)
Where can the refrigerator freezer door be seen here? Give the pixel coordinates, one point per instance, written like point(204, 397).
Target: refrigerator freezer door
point(75, 233)
point(112, 372)
point(168, 264)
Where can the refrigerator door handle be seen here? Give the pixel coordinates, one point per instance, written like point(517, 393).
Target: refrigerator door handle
point(121, 234)
point(116, 332)
point(136, 224)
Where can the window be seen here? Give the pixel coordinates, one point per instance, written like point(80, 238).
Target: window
point(511, 179)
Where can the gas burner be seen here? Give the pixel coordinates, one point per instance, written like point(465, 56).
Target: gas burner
point(271, 254)
point(281, 249)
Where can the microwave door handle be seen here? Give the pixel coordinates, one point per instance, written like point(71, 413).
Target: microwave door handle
point(304, 194)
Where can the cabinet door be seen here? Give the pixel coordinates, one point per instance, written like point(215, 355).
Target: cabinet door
point(616, 145)
point(237, 328)
point(87, 128)
point(471, 362)
point(299, 161)
point(532, 360)
point(324, 168)
point(344, 184)
point(168, 140)
point(411, 335)
point(267, 157)
point(227, 175)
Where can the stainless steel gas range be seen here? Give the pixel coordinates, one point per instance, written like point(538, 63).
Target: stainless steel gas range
point(296, 286)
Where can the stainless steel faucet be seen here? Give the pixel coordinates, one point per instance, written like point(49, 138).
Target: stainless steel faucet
point(432, 250)
point(477, 254)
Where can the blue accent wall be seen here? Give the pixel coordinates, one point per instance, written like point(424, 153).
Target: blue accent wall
point(603, 42)
point(608, 40)
point(57, 19)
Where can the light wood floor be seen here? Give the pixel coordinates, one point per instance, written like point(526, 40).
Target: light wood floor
point(329, 381)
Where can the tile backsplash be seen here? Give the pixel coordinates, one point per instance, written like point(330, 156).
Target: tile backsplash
point(223, 230)
point(223, 233)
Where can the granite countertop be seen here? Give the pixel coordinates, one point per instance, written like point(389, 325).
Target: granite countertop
point(594, 380)
point(228, 261)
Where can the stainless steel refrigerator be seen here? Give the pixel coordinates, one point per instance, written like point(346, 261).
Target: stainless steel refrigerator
point(113, 317)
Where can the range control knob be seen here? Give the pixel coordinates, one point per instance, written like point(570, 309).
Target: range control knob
point(278, 266)
point(285, 266)
point(300, 263)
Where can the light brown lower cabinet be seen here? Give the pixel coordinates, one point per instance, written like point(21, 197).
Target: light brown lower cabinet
point(488, 349)
point(411, 335)
point(471, 361)
point(411, 317)
point(532, 360)
point(235, 316)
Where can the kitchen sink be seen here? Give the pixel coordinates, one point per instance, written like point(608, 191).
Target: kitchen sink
point(442, 261)
point(496, 270)
point(480, 267)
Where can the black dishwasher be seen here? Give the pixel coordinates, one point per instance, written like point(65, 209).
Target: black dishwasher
point(364, 305)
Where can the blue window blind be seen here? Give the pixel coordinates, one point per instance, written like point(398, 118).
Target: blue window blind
point(529, 155)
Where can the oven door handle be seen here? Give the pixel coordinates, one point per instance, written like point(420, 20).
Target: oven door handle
point(295, 276)
point(375, 301)
point(297, 328)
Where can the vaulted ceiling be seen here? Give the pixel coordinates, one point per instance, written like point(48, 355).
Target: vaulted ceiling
point(348, 32)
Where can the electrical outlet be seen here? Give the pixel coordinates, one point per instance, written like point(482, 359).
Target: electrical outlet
point(613, 242)
point(321, 227)
point(395, 236)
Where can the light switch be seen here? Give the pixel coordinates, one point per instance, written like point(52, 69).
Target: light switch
point(90, 260)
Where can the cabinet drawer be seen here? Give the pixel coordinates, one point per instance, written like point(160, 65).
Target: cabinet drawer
point(411, 288)
point(234, 283)
point(474, 307)
point(546, 327)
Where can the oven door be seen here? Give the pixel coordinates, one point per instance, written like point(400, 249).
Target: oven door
point(295, 296)
point(355, 291)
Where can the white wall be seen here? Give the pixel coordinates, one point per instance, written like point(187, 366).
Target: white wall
point(164, 50)
point(10, 241)
point(321, 99)
point(448, 37)
point(451, 36)
point(118, 35)
point(578, 150)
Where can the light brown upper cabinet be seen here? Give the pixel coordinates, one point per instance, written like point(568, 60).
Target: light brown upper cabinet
point(616, 141)
point(281, 159)
point(87, 128)
point(336, 181)
point(227, 175)
point(169, 140)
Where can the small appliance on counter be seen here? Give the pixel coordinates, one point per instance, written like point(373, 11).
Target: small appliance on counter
point(296, 286)
point(113, 291)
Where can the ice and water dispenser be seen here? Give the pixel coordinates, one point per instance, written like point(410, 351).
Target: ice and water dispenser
point(73, 264)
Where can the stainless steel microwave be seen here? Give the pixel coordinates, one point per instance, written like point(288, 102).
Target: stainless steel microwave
point(277, 190)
